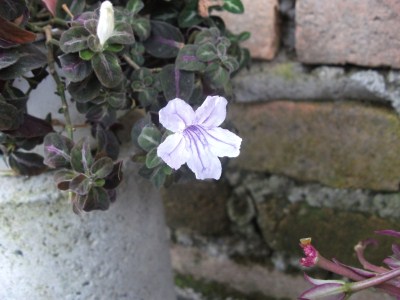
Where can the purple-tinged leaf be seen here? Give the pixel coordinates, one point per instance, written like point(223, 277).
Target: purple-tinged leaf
point(10, 118)
point(11, 34)
point(324, 289)
point(187, 59)
point(8, 57)
point(176, 83)
point(86, 90)
point(164, 41)
point(80, 19)
point(80, 184)
point(74, 39)
point(74, 68)
point(63, 179)
point(57, 150)
point(32, 127)
point(108, 70)
point(81, 156)
point(389, 232)
point(122, 34)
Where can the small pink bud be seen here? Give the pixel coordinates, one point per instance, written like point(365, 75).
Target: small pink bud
point(310, 252)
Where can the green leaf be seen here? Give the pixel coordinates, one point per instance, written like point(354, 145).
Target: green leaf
point(117, 100)
point(81, 156)
point(115, 47)
point(74, 39)
point(74, 68)
point(189, 17)
point(207, 52)
point(122, 34)
point(216, 75)
point(149, 138)
point(62, 178)
point(176, 83)
point(165, 40)
point(107, 68)
point(102, 167)
point(187, 59)
point(8, 57)
point(231, 64)
point(152, 159)
point(11, 10)
point(91, 26)
point(147, 96)
point(155, 175)
point(93, 43)
point(86, 54)
point(141, 27)
point(134, 6)
point(233, 6)
point(32, 56)
point(10, 118)
point(86, 90)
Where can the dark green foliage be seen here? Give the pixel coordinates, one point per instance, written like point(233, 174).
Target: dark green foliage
point(159, 50)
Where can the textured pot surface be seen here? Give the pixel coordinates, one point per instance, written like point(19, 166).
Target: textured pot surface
point(48, 252)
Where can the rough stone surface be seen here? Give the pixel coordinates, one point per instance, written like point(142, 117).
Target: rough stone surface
point(48, 252)
point(293, 81)
point(261, 19)
point(339, 32)
point(198, 206)
point(345, 145)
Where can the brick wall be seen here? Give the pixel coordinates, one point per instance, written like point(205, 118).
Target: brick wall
point(319, 115)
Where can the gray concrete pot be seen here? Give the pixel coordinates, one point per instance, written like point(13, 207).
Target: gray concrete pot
point(48, 252)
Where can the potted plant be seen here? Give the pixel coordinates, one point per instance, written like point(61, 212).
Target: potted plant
point(169, 60)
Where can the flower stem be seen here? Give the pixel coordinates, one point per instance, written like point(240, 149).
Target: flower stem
point(59, 82)
point(130, 62)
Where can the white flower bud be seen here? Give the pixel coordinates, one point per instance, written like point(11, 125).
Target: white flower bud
point(105, 27)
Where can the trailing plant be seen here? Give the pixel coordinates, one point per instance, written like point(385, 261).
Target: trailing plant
point(108, 59)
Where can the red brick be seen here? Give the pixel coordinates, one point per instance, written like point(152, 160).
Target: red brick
point(261, 20)
point(341, 31)
point(345, 145)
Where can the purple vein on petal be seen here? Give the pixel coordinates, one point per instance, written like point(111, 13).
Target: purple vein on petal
point(213, 137)
point(194, 139)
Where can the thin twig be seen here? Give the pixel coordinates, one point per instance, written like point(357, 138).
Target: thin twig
point(131, 62)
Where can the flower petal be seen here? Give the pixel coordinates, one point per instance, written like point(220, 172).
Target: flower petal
point(177, 115)
point(223, 142)
point(212, 112)
point(202, 162)
point(173, 151)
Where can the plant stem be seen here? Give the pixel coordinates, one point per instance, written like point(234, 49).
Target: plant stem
point(59, 82)
point(130, 62)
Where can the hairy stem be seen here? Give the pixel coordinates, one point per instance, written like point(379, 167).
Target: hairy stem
point(60, 84)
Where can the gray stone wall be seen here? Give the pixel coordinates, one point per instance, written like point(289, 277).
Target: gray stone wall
point(319, 118)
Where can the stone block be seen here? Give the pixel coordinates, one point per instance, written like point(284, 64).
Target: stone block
point(261, 19)
point(344, 145)
point(340, 31)
point(198, 206)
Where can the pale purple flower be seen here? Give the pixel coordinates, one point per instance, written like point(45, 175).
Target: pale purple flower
point(197, 139)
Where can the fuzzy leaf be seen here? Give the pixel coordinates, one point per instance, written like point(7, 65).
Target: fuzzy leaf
point(80, 184)
point(152, 159)
point(134, 6)
point(102, 168)
point(74, 39)
point(26, 163)
point(187, 59)
point(86, 54)
point(86, 90)
point(107, 68)
point(75, 69)
point(122, 34)
point(9, 117)
point(115, 177)
point(63, 178)
point(149, 138)
point(8, 57)
point(57, 149)
point(216, 75)
point(189, 17)
point(81, 156)
point(12, 10)
point(141, 27)
point(32, 56)
point(207, 52)
point(176, 83)
point(107, 142)
point(165, 40)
